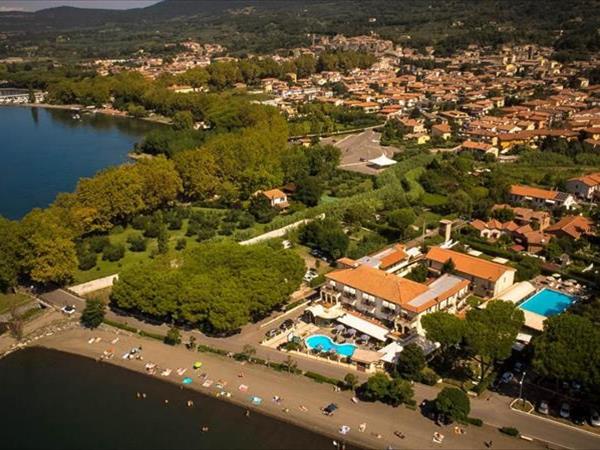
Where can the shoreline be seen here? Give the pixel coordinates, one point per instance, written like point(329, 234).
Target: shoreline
point(81, 108)
point(297, 392)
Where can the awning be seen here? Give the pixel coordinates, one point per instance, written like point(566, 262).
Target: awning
point(390, 352)
point(517, 292)
point(364, 326)
point(322, 313)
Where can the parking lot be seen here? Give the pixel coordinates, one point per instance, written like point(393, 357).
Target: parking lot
point(357, 149)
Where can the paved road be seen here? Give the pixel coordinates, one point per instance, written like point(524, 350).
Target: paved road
point(494, 410)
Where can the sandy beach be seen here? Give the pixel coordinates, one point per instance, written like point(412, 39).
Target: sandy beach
point(300, 399)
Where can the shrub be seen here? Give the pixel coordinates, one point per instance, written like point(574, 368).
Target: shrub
point(113, 252)
point(152, 229)
point(140, 222)
point(137, 243)
point(181, 244)
point(173, 336)
point(175, 223)
point(475, 421)
point(509, 431)
point(453, 403)
point(323, 379)
point(87, 261)
point(97, 243)
point(93, 313)
point(428, 377)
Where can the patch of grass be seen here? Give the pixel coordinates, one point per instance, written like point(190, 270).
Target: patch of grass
point(416, 191)
point(328, 199)
point(431, 200)
point(7, 301)
point(428, 218)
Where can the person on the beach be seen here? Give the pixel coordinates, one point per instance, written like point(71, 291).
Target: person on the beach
point(247, 413)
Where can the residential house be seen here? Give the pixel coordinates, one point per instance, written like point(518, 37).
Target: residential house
point(442, 131)
point(277, 198)
point(488, 279)
point(539, 220)
point(572, 227)
point(541, 197)
point(479, 148)
point(586, 187)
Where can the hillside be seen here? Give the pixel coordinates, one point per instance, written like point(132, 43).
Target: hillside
point(266, 25)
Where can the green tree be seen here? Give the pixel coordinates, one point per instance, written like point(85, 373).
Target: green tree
point(199, 172)
point(447, 329)
point(569, 349)
point(93, 313)
point(402, 219)
point(163, 240)
point(351, 381)
point(10, 251)
point(160, 181)
point(380, 387)
point(491, 332)
point(309, 191)
point(453, 403)
point(260, 207)
point(410, 361)
point(183, 120)
point(173, 336)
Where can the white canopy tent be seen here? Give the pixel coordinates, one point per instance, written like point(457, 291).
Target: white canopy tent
point(382, 161)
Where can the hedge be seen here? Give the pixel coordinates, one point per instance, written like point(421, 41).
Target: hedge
point(475, 421)
point(509, 431)
point(323, 379)
point(208, 349)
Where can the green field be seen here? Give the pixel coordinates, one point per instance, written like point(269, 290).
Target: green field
point(7, 301)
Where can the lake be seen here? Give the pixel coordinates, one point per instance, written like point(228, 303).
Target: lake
point(55, 400)
point(45, 151)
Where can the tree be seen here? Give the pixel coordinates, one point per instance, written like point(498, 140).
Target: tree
point(163, 240)
point(419, 273)
point(569, 349)
point(491, 332)
point(260, 207)
point(93, 313)
point(410, 361)
point(460, 203)
point(381, 387)
point(248, 351)
point(351, 381)
point(10, 250)
point(183, 120)
point(402, 219)
point(137, 243)
point(453, 403)
point(447, 329)
point(309, 191)
point(16, 324)
point(199, 173)
point(290, 364)
point(173, 336)
point(449, 266)
point(160, 181)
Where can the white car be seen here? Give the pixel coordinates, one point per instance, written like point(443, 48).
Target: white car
point(507, 377)
point(565, 411)
point(595, 419)
point(543, 407)
point(68, 309)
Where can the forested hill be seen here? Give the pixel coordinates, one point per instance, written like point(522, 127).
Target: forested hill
point(266, 25)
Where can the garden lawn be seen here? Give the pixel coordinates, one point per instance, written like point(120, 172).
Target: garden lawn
point(7, 301)
point(416, 190)
point(106, 268)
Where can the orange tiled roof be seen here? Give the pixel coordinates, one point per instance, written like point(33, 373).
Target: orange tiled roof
point(376, 282)
point(574, 226)
point(393, 258)
point(528, 191)
point(274, 193)
point(468, 264)
point(591, 179)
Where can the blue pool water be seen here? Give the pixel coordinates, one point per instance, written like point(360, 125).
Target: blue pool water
point(325, 344)
point(548, 303)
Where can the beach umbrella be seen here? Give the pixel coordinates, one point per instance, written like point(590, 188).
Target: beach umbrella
point(364, 337)
point(351, 332)
point(187, 380)
point(197, 365)
point(339, 328)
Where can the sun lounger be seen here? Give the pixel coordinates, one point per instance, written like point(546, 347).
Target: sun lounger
point(207, 383)
point(243, 388)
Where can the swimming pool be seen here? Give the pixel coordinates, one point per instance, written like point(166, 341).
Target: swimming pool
point(325, 344)
point(547, 302)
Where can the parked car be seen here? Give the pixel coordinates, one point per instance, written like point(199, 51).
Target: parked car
point(543, 407)
point(507, 377)
point(68, 309)
point(287, 324)
point(595, 419)
point(272, 333)
point(330, 409)
point(518, 368)
point(565, 411)
point(579, 416)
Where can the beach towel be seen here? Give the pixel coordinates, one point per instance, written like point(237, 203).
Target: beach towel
point(207, 383)
point(256, 400)
point(243, 388)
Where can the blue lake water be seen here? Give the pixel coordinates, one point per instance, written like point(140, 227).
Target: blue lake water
point(45, 151)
